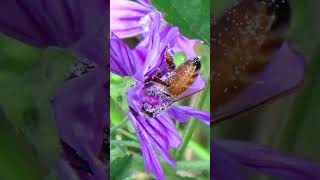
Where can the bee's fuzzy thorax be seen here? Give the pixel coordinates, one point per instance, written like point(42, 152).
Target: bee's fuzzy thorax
point(182, 77)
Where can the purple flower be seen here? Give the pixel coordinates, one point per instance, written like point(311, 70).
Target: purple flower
point(80, 104)
point(150, 106)
point(130, 18)
point(80, 116)
point(47, 23)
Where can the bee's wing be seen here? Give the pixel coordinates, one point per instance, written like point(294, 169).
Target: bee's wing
point(274, 82)
point(198, 84)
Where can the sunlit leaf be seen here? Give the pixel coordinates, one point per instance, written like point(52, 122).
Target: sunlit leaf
point(191, 16)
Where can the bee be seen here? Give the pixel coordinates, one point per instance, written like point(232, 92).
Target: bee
point(161, 91)
point(243, 39)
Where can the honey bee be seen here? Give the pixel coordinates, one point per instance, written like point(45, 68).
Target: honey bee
point(243, 40)
point(161, 91)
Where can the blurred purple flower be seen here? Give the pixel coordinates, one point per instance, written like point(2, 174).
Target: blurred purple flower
point(52, 23)
point(234, 159)
point(157, 133)
point(80, 105)
point(275, 81)
point(130, 18)
point(80, 116)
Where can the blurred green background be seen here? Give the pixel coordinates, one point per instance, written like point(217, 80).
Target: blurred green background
point(290, 124)
point(29, 78)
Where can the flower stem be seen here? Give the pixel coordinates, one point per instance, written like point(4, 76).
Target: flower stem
point(125, 143)
point(120, 125)
point(126, 133)
point(191, 126)
point(289, 135)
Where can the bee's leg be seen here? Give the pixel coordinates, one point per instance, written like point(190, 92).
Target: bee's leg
point(157, 80)
point(158, 73)
point(169, 59)
point(151, 78)
point(160, 81)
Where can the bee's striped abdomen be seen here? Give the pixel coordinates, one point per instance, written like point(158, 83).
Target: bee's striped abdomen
point(244, 39)
point(182, 77)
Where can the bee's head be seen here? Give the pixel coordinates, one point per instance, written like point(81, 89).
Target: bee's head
point(196, 62)
point(281, 10)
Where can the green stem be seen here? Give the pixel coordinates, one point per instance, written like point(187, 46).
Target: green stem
point(191, 126)
point(300, 107)
point(129, 135)
point(120, 125)
point(125, 143)
point(182, 165)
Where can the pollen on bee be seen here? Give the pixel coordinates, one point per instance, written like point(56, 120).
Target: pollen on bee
point(156, 99)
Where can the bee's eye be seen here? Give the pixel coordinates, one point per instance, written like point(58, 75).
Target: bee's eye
point(281, 10)
point(196, 62)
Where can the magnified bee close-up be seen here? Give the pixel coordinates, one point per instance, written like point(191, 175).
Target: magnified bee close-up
point(244, 39)
point(265, 85)
point(170, 86)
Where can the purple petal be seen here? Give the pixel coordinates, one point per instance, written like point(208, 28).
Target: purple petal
point(164, 126)
point(126, 17)
point(223, 166)
point(151, 160)
point(51, 23)
point(185, 45)
point(150, 138)
point(271, 162)
point(134, 97)
point(77, 119)
point(181, 113)
point(168, 39)
point(122, 61)
point(198, 84)
point(64, 170)
point(145, 2)
point(160, 131)
point(153, 46)
point(80, 114)
point(93, 47)
point(273, 82)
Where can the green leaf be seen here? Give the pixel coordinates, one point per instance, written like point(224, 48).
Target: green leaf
point(17, 156)
point(120, 168)
point(199, 150)
point(16, 56)
point(125, 143)
point(26, 100)
point(191, 16)
point(116, 114)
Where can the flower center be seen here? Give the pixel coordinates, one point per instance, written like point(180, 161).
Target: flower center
point(156, 99)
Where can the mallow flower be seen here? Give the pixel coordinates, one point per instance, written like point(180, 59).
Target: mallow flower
point(80, 104)
point(151, 108)
point(130, 18)
point(283, 72)
point(233, 159)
